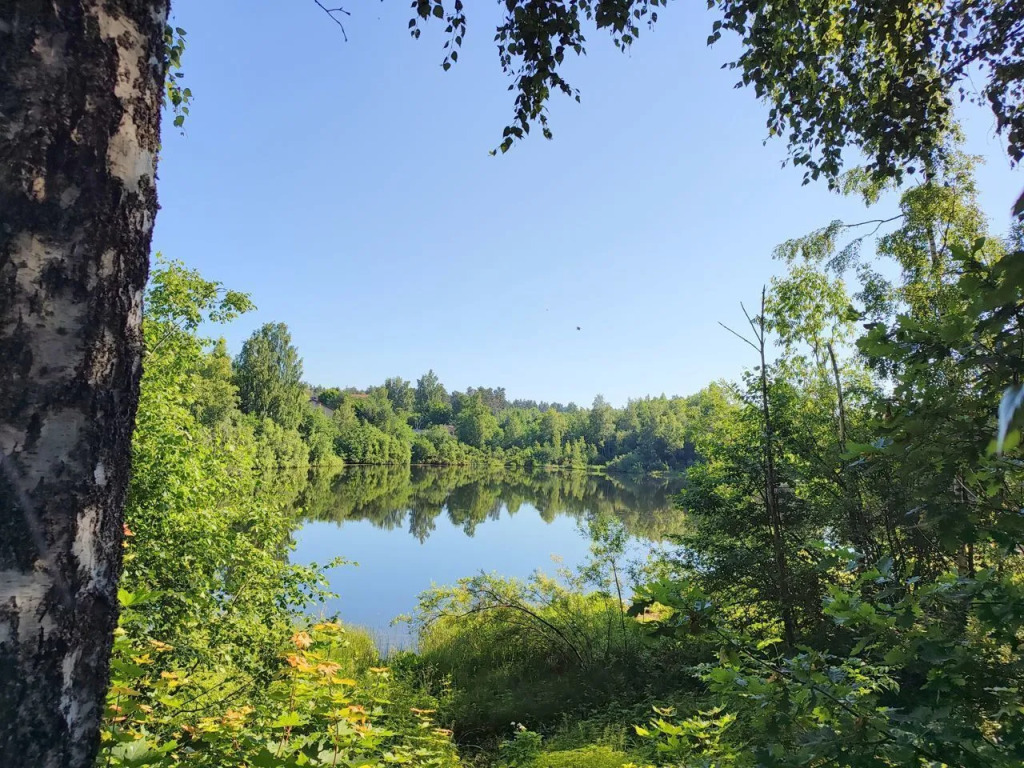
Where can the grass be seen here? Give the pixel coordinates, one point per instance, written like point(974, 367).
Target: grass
point(593, 756)
point(547, 672)
point(503, 666)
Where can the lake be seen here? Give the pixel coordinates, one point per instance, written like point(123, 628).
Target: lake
point(410, 528)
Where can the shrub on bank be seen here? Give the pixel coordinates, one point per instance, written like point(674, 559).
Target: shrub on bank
point(528, 651)
point(324, 704)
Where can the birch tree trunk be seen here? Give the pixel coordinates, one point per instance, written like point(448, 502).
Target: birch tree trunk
point(80, 94)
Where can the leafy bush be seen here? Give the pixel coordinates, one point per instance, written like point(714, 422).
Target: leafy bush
point(361, 443)
point(521, 751)
point(318, 432)
point(320, 706)
point(532, 650)
point(627, 464)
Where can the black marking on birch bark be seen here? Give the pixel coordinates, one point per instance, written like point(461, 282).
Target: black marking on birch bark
point(80, 87)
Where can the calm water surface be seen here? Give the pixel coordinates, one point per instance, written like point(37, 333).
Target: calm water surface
point(409, 529)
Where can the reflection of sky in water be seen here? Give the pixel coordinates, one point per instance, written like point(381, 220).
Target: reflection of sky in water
point(394, 567)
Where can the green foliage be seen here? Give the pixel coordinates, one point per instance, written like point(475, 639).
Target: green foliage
point(653, 434)
point(320, 706)
point(476, 425)
point(521, 751)
point(215, 396)
point(203, 544)
point(179, 97)
point(279, 447)
point(527, 749)
point(437, 445)
point(268, 373)
point(532, 44)
point(696, 740)
point(363, 443)
point(531, 650)
point(480, 426)
point(400, 393)
point(878, 77)
point(431, 401)
point(319, 432)
point(179, 300)
point(332, 397)
point(376, 409)
point(901, 530)
point(594, 756)
point(209, 667)
point(901, 691)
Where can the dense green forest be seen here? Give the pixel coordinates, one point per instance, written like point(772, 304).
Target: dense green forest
point(398, 423)
point(845, 586)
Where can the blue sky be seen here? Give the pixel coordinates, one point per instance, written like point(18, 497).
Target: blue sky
point(348, 188)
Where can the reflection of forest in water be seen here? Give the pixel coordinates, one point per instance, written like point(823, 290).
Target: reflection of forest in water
point(413, 498)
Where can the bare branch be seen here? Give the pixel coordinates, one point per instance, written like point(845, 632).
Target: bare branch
point(754, 326)
point(330, 12)
point(738, 335)
point(879, 222)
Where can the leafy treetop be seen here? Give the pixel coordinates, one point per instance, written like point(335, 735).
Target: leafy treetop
point(878, 76)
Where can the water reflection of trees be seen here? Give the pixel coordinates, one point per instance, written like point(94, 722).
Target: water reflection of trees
point(397, 497)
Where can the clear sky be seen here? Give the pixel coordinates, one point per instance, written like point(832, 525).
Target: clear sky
point(348, 188)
